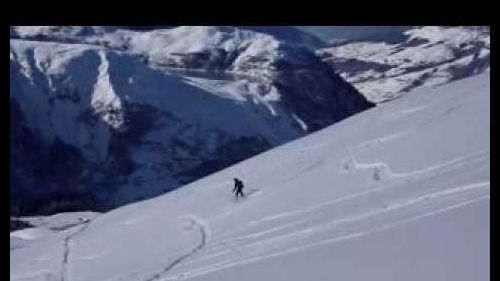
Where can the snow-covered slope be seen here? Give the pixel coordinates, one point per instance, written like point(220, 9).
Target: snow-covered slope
point(397, 192)
point(428, 56)
point(42, 227)
point(103, 116)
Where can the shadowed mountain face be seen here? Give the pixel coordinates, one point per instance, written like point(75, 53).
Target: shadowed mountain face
point(101, 117)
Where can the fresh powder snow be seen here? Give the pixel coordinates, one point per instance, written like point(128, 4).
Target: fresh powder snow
point(398, 192)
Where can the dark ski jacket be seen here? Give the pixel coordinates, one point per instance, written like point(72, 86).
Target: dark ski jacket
point(238, 185)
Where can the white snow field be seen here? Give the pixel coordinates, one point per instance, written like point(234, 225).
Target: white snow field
point(397, 192)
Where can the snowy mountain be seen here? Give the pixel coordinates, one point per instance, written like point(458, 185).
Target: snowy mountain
point(291, 34)
point(427, 56)
point(102, 116)
point(287, 34)
point(333, 34)
point(397, 192)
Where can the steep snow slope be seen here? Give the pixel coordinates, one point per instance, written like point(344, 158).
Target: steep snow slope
point(94, 127)
point(398, 192)
point(427, 56)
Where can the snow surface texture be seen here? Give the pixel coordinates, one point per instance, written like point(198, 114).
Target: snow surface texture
point(120, 115)
point(397, 192)
point(428, 56)
point(45, 226)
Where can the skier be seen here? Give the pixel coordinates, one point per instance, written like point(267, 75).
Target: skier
point(238, 188)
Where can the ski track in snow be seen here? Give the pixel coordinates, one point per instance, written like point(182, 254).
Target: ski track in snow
point(223, 265)
point(64, 275)
point(479, 188)
point(378, 168)
point(376, 193)
point(382, 169)
point(203, 228)
point(450, 192)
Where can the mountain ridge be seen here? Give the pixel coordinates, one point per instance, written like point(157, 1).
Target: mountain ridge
point(128, 125)
point(426, 56)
